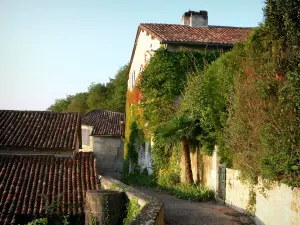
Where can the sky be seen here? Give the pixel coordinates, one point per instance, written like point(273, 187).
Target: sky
point(50, 49)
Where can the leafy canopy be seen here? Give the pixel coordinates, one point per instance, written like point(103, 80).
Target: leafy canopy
point(110, 96)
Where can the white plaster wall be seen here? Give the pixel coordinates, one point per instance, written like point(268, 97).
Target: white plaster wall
point(144, 157)
point(145, 43)
point(280, 205)
point(237, 193)
point(109, 154)
point(275, 206)
point(210, 170)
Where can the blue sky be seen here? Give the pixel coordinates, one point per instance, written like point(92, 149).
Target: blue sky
point(49, 49)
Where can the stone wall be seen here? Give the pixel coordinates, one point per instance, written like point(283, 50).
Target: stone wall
point(87, 148)
point(152, 210)
point(209, 170)
point(237, 192)
point(279, 204)
point(109, 154)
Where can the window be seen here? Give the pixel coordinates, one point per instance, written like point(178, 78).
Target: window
point(141, 68)
point(133, 79)
point(85, 136)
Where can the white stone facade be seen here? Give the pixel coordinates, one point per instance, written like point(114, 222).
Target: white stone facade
point(145, 48)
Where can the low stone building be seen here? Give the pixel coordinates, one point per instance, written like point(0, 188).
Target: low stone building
point(42, 172)
point(102, 133)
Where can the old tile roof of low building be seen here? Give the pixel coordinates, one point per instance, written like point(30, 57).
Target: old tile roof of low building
point(41, 186)
point(170, 33)
point(105, 123)
point(43, 130)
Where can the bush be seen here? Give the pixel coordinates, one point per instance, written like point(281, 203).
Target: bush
point(168, 179)
point(139, 179)
point(192, 192)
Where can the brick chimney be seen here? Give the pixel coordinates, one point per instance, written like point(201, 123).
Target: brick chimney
point(195, 19)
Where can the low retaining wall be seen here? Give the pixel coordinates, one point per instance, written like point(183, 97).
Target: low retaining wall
point(278, 205)
point(152, 210)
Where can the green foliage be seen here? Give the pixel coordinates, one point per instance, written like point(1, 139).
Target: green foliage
point(132, 209)
point(78, 103)
point(174, 130)
point(207, 99)
point(97, 96)
point(164, 79)
point(40, 221)
point(247, 102)
point(251, 207)
point(135, 140)
point(110, 96)
point(61, 105)
point(169, 182)
point(161, 85)
point(117, 100)
point(168, 178)
point(191, 192)
point(283, 31)
point(143, 180)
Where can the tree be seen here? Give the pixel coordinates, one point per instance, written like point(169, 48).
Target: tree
point(119, 88)
point(97, 96)
point(179, 128)
point(78, 103)
point(61, 105)
point(110, 96)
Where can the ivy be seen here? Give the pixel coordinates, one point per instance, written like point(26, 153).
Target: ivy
point(164, 79)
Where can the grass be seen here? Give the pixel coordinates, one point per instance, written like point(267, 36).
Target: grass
point(183, 191)
point(190, 192)
point(132, 209)
point(140, 180)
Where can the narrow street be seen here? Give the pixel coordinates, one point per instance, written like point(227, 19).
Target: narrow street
point(184, 212)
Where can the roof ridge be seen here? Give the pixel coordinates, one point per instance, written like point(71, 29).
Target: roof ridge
point(102, 111)
point(36, 111)
point(214, 26)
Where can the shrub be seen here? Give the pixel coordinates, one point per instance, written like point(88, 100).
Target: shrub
point(168, 179)
point(192, 192)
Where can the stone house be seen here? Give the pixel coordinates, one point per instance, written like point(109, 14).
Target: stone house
point(42, 172)
point(102, 133)
point(193, 33)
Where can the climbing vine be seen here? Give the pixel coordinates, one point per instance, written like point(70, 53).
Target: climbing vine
point(156, 104)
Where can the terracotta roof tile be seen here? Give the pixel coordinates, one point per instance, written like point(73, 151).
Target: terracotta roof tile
point(39, 130)
point(44, 185)
point(168, 33)
point(104, 122)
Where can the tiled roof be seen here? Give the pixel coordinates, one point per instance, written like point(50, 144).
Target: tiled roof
point(42, 130)
point(44, 185)
point(104, 122)
point(168, 33)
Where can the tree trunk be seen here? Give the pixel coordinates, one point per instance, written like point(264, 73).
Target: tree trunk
point(187, 159)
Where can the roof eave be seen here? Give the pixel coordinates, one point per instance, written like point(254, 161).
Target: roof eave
point(198, 43)
point(141, 27)
point(106, 135)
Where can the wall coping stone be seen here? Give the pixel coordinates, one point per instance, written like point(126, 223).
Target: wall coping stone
point(152, 210)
